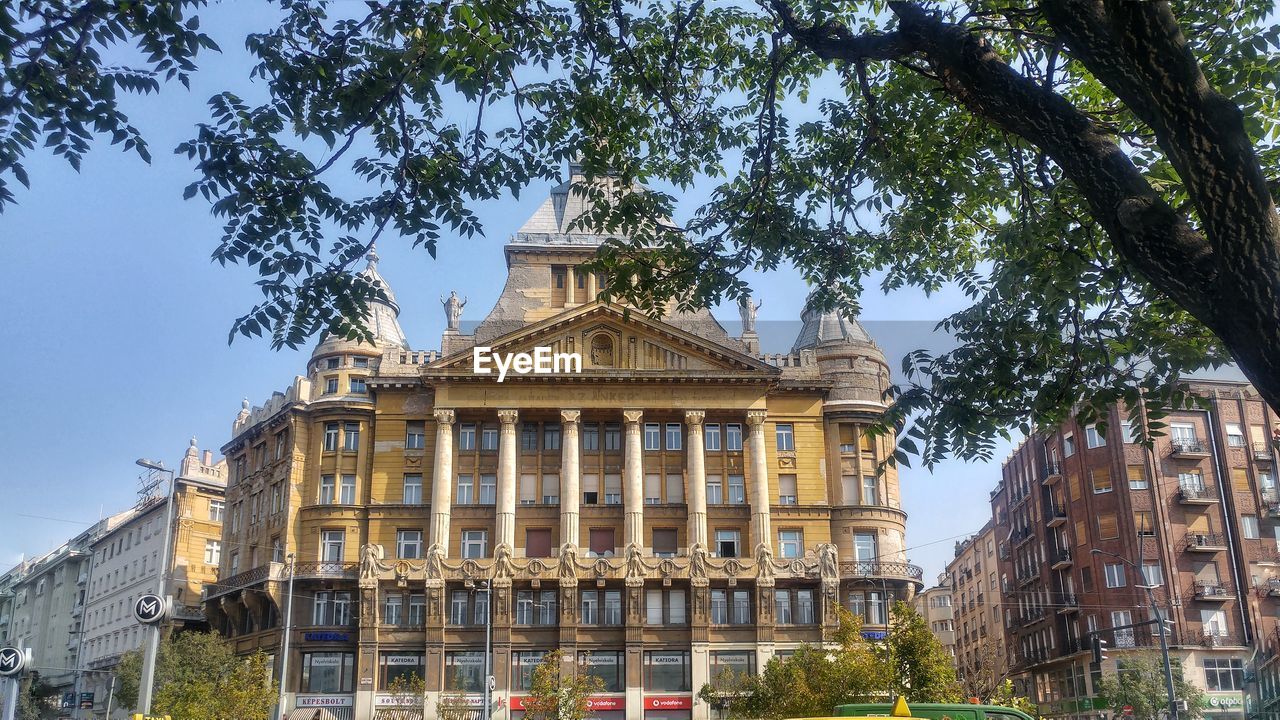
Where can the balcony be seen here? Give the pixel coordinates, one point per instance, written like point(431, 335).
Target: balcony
point(1261, 452)
point(1188, 449)
point(1271, 502)
point(1027, 577)
point(1271, 587)
point(1196, 495)
point(892, 570)
point(1209, 638)
point(1055, 514)
point(1204, 542)
point(1068, 603)
point(1216, 591)
point(1061, 560)
point(1052, 472)
point(1021, 535)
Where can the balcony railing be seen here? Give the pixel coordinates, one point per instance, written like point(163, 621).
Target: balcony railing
point(1196, 495)
point(1068, 603)
point(899, 570)
point(1204, 542)
point(1270, 586)
point(1262, 452)
point(1052, 472)
point(1215, 590)
point(1209, 638)
point(1055, 513)
point(1188, 448)
point(1061, 559)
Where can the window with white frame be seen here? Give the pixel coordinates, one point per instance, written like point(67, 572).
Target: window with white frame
point(466, 487)
point(212, 552)
point(351, 436)
point(1093, 438)
point(1235, 435)
point(332, 544)
point(330, 436)
point(489, 438)
point(785, 437)
point(1068, 445)
point(347, 491)
point(1115, 575)
point(467, 436)
point(652, 436)
point(711, 437)
point(728, 543)
point(737, 490)
point(412, 493)
point(488, 489)
point(475, 543)
point(409, 544)
point(674, 436)
point(787, 489)
point(328, 489)
point(415, 435)
point(791, 543)
point(733, 437)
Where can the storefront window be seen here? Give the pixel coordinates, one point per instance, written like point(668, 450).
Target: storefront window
point(667, 671)
point(392, 665)
point(464, 671)
point(523, 664)
point(607, 665)
point(328, 672)
point(742, 662)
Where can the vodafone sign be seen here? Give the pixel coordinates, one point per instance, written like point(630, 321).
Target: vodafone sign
point(668, 702)
point(593, 703)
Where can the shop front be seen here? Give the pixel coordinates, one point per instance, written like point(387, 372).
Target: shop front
point(599, 707)
point(1220, 705)
point(668, 707)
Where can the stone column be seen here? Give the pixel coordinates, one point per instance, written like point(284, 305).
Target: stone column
point(570, 477)
point(506, 512)
point(633, 480)
point(697, 474)
point(759, 480)
point(442, 481)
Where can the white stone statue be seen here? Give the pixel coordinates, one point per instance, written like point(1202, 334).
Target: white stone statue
point(748, 313)
point(764, 562)
point(453, 308)
point(828, 562)
point(371, 561)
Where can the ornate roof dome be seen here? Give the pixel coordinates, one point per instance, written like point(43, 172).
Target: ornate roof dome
point(382, 321)
point(828, 326)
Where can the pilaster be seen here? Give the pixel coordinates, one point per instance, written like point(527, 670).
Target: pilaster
point(570, 477)
point(506, 513)
point(442, 482)
point(695, 463)
point(633, 480)
point(759, 480)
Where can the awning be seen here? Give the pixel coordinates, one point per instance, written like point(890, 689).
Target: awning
point(397, 714)
point(328, 713)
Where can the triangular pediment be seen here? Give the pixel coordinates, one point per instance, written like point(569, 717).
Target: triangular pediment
point(610, 340)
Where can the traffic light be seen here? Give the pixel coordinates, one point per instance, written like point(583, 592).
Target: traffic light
point(1099, 649)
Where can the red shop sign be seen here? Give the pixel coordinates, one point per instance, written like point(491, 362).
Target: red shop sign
point(668, 702)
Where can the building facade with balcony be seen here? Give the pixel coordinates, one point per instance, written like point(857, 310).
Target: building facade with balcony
point(683, 505)
point(1093, 515)
point(935, 606)
point(126, 564)
point(981, 662)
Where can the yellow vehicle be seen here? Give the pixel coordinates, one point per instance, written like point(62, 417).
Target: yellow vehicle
point(930, 711)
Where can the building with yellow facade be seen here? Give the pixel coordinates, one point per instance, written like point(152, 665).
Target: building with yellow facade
point(682, 506)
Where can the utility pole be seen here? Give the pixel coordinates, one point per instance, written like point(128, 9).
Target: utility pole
point(284, 648)
point(146, 686)
point(1158, 618)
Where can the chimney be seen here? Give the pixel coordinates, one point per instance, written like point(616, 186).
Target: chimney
point(208, 458)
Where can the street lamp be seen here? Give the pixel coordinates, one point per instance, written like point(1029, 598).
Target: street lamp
point(284, 650)
point(488, 645)
point(1158, 618)
point(146, 686)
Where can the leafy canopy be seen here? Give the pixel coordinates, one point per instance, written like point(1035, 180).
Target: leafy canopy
point(1138, 682)
point(199, 677)
point(1049, 158)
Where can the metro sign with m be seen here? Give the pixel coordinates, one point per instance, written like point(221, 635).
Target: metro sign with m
point(150, 608)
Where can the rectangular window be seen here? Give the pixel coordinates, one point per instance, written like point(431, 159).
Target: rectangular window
point(1068, 445)
point(1143, 523)
point(864, 547)
point(409, 544)
point(1240, 480)
point(481, 607)
point(212, 552)
point(1101, 480)
point(529, 437)
point(786, 489)
point(1235, 435)
point(550, 489)
point(330, 385)
point(1115, 575)
point(664, 542)
point(589, 613)
point(488, 489)
point(217, 508)
point(489, 438)
point(590, 489)
point(359, 386)
point(805, 614)
point(332, 544)
point(591, 436)
point(465, 486)
point(870, 490)
point(524, 662)
point(537, 542)
point(415, 435)
point(1137, 477)
point(738, 662)
point(1151, 574)
point(727, 543)
point(551, 436)
point(459, 601)
point(675, 436)
point(402, 666)
point(601, 542)
point(351, 436)
point(737, 490)
point(475, 543)
point(715, 490)
point(1224, 674)
point(347, 491)
point(1182, 433)
point(1249, 526)
point(328, 489)
point(652, 436)
point(733, 437)
point(612, 489)
point(875, 608)
point(782, 607)
point(612, 437)
point(328, 672)
point(608, 665)
point(467, 436)
point(464, 671)
point(330, 436)
point(667, 671)
point(392, 609)
point(785, 436)
point(612, 612)
point(653, 607)
point(847, 444)
point(676, 603)
point(675, 489)
point(652, 489)
point(1093, 438)
point(790, 543)
point(711, 437)
point(412, 493)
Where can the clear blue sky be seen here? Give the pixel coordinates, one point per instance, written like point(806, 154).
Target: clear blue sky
point(116, 323)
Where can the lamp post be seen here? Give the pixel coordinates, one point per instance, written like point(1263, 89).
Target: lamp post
point(487, 589)
point(1158, 618)
point(146, 685)
point(284, 649)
